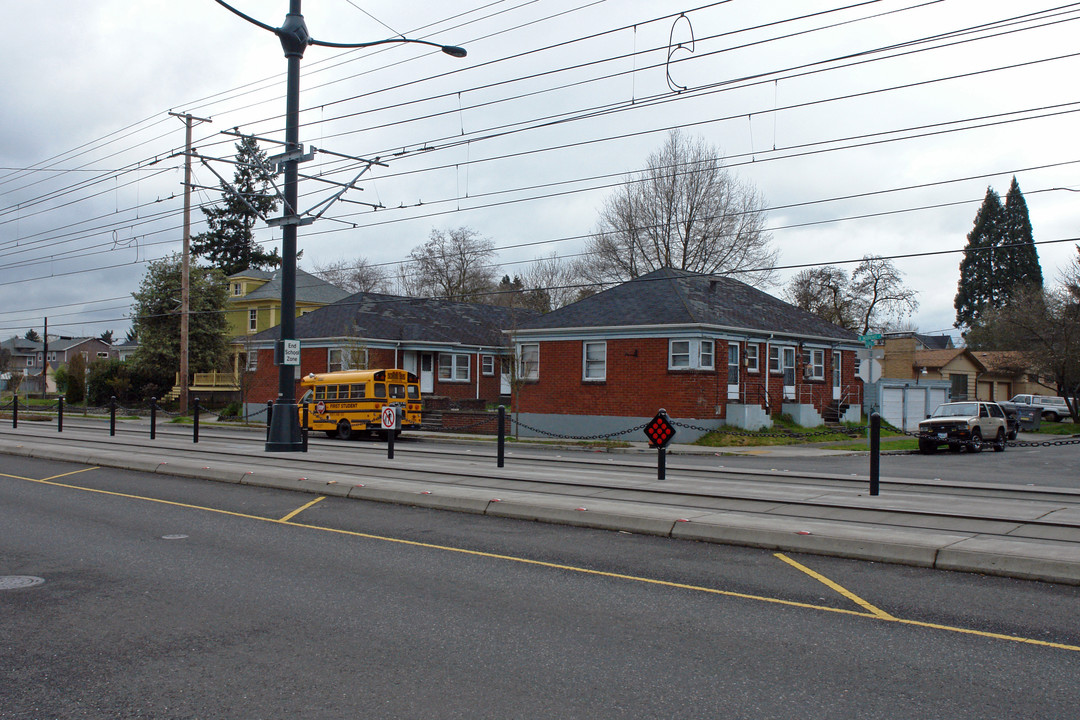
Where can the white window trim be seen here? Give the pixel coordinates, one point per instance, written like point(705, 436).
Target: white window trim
point(487, 364)
point(752, 356)
point(585, 363)
point(693, 352)
point(522, 372)
point(253, 320)
point(817, 368)
point(457, 362)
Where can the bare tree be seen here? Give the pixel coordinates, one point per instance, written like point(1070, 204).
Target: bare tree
point(357, 275)
point(880, 296)
point(684, 210)
point(454, 264)
point(873, 298)
point(825, 292)
point(559, 279)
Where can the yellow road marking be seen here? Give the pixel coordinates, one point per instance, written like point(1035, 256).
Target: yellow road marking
point(301, 509)
point(875, 611)
point(73, 472)
point(571, 568)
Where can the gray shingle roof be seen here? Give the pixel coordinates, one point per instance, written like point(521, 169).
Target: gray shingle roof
point(679, 297)
point(376, 316)
point(308, 287)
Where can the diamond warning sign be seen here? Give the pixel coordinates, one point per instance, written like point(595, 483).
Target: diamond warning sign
point(659, 430)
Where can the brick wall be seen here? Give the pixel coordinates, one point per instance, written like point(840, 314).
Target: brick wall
point(638, 382)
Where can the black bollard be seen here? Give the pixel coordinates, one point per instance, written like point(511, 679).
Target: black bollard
point(196, 421)
point(14, 411)
point(153, 418)
point(60, 414)
point(304, 430)
point(112, 415)
point(390, 443)
point(875, 453)
point(661, 463)
point(502, 436)
point(269, 417)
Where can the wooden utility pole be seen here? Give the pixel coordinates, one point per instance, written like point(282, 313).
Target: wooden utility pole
point(185, 262)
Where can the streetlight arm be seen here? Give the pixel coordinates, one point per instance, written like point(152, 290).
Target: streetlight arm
point(250, 19)
point(450, 50)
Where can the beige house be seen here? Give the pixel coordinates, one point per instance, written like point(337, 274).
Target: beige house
point(978, 375)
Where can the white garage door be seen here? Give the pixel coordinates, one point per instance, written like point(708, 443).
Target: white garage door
point(916, 410)
point(892, 406)
point(937, 397)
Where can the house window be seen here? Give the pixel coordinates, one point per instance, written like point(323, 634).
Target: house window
point(529, 361)
point(733, 363)
point(487, 364)
point(453, 367)
point(252, 361)
point(594, 361)
point(253, 320)
point(691, 355)
point(774, 359)
point(958, 386)
point(705, 358)
point(679, 354)
point(100, 355)
point(29, 361)
point(337, 359)
point(237, 289)
point(751, 357)
point(814, 364)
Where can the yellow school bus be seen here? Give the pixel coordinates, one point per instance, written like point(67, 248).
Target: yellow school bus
point(346, 403)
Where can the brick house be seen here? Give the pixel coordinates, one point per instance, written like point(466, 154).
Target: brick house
point(710, 350)
point(457, 349)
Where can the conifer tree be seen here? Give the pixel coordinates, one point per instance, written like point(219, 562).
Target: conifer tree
point(229, 243)
point(1020, 263)
point(977, 290)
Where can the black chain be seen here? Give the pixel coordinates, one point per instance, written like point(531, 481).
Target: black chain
point(470, 426)
point(604, 436)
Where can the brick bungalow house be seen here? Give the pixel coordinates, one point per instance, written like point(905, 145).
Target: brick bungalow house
point(710, 350)
point(457, 349)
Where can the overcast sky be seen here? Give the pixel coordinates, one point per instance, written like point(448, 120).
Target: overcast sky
point(868, 127)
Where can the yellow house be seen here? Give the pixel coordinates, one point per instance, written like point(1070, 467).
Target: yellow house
point(254, 303)
point(255, 299)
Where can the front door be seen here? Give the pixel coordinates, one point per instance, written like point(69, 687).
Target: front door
point(733, 371)
point(836, 376)
point(427, 373)
point(788, 367)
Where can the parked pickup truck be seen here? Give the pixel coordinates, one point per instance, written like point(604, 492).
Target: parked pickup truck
point(1052, 408)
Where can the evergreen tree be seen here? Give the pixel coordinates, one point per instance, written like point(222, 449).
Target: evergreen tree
point(32, 335)
point(156, 322)
point(1019, 267)
point(978, 290)
point(229, 244)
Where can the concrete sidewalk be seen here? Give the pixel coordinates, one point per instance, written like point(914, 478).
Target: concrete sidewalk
point(1014, 531)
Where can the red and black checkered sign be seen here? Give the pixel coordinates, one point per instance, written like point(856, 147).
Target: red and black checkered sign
point(659, 430)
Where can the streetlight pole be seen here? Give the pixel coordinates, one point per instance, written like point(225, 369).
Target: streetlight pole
point(284, 433)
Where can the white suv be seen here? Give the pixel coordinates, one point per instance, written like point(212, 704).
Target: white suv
point(1053, 408)
point(962, 425)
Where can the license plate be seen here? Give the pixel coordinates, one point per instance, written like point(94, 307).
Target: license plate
point(942, 436)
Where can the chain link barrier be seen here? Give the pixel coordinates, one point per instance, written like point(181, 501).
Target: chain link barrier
point(603, 436)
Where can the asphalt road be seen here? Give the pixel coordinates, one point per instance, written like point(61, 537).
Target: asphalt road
point(173, 598)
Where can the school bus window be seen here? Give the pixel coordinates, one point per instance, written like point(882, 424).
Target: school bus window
point(380, 390)
point(414, 392)
point(320, 392)
point(356, 392)
point(397, 391)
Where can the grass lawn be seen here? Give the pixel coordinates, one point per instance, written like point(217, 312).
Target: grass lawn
point(786, 432)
